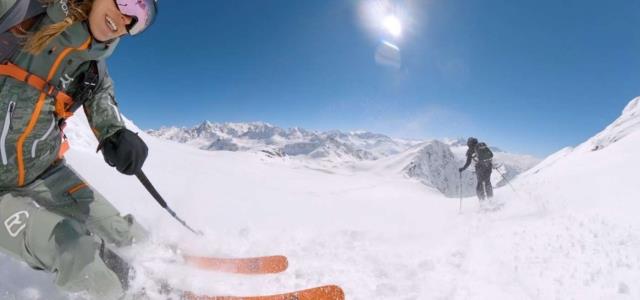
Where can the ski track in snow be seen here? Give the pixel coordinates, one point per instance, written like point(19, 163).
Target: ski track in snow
point(482, 255)
point(508, 254)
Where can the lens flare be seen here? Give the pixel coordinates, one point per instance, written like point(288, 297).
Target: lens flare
point(392, 25)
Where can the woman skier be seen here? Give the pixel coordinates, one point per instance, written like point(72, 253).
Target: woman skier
point(52, 61)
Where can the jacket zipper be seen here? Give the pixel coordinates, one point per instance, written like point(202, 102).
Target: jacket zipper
point(5, 131)
point(37, 110)
point(46, 134)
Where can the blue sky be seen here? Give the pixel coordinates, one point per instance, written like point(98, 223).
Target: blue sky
point(526, 76)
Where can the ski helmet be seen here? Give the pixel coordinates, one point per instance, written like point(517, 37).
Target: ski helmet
point(143, 13)
point(472, 141)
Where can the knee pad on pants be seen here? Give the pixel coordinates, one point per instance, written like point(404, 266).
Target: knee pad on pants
point(79, 265)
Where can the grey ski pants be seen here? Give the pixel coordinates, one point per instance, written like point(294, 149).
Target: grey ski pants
point(61, 225)
point(483, 173)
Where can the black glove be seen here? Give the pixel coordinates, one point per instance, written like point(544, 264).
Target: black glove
point(125, 150)
point(460, 170)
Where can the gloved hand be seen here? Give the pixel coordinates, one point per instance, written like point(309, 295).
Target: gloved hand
point(125, 151)
point(460, 170)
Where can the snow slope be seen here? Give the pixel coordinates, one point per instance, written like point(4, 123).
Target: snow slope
point(569, 232)
point(586, 243)
point(597, 175)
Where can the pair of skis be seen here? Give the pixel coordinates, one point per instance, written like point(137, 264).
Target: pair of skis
point(254, 266)
point(250, 265)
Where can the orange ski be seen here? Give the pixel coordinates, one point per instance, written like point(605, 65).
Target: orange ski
point(329, 292)
point(249, 265)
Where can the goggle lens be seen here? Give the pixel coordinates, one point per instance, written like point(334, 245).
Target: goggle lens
point(143, 13)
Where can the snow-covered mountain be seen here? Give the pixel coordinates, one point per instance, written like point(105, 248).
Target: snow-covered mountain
point(434, 163)
point(333, 146)
point(627, 124)
point(603, 167)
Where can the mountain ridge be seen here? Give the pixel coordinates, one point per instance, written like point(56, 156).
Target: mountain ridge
point(435, 164)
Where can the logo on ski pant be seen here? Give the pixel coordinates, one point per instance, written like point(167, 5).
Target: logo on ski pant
point(16, 223)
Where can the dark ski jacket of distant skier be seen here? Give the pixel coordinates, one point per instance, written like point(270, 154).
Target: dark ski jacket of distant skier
point(482, 155)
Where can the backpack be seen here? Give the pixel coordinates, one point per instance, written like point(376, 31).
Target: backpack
point(483, 152)
point(21, 11)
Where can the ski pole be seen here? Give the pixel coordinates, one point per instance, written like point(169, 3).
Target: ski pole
point(460, 192)
point(505, 179)
point(152, 190)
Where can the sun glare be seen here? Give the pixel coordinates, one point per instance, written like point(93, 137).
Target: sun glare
point(392, 25)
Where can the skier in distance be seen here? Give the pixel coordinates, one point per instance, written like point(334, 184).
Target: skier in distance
point(482, 155)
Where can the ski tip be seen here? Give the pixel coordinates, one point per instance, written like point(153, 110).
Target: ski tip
point(327, 292)
point(249, 265)
point(335, 292)
point(284, 262)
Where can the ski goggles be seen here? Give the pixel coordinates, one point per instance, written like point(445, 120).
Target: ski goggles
point(143, 13)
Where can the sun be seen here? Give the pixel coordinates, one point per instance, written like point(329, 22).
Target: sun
point(392, 25)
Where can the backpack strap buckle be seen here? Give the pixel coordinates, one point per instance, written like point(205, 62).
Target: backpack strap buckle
point(50, 90)
point(40, 84)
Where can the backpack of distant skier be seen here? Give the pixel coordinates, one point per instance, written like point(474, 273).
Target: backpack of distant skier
point(483, 152)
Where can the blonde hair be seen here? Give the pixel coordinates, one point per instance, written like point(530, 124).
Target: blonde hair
point(78, 11)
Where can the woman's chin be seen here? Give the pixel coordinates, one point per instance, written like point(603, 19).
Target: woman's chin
point(101, 36)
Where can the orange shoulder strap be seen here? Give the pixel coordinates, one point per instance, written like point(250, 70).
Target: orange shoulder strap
point(63, 101)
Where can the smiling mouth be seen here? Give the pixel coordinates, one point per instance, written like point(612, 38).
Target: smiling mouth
point(111, 24)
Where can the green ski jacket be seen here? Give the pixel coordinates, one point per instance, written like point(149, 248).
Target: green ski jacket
point(30, 135)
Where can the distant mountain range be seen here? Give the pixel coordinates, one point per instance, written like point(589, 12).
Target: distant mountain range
point(258, 136)
point(435, 163)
